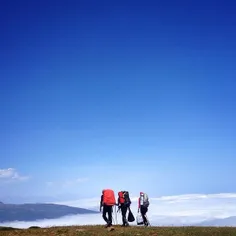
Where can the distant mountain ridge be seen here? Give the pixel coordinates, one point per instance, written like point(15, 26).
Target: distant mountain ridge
point(229, 221)
point(37, 211)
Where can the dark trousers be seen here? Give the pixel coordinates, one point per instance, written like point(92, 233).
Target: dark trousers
point(123, 212)
point(107, 210)
point(143, 211)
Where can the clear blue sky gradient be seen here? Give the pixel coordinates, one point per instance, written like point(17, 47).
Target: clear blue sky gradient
point(139, 87)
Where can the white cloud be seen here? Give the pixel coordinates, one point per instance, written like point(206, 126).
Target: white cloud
point(70, 183)
point(81, 180)
point(11, 174)
point(67, 183)
point(178, 210)
point(80, 219)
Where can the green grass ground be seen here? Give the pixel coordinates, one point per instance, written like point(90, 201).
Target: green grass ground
point(118, 230)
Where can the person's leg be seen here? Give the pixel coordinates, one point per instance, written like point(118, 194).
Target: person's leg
point(109, 215)
point(147, 222)
point(105, 211)
point(143, 213)
point(124, 211)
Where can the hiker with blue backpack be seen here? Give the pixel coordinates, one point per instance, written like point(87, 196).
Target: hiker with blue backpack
point(143, 204)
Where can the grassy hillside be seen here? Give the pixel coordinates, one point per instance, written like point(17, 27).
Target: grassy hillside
point(118, 230)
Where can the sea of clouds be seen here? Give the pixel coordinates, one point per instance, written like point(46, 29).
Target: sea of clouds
point(193, 209)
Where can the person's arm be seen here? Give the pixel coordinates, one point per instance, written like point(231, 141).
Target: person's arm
point(118, 203)
point(101, 202)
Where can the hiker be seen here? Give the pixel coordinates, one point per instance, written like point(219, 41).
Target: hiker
point(107, 202)
point(124, 203)
point(143, 204)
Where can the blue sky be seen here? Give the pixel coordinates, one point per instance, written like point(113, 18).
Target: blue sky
point(94, 91)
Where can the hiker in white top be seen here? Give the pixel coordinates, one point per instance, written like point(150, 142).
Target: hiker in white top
point(143, 204)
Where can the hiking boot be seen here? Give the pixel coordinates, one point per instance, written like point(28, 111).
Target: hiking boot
point(145, 224)
point(125, 225)
point(109, 224)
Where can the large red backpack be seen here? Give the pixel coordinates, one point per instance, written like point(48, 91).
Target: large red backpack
point(109, 197)
point(124, 198)
point(121, 197)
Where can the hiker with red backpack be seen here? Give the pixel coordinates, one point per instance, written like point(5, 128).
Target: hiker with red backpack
point(124, 203)
point(107, 202)
point(143, 204)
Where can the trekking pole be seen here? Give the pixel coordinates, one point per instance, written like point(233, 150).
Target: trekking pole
point(113, 219)
point(116, 215)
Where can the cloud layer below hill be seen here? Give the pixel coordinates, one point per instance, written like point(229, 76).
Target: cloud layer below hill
point(193, 209)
